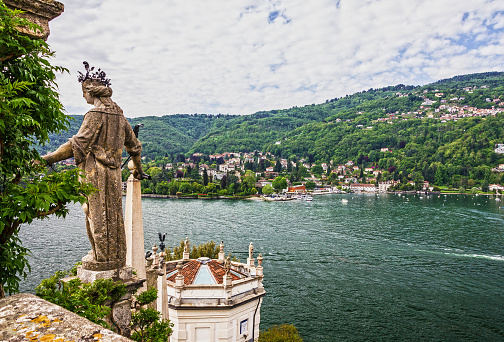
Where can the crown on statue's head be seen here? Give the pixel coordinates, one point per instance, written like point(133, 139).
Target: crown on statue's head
point(99, 75)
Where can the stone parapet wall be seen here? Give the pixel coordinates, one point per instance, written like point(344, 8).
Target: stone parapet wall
point(26, 317)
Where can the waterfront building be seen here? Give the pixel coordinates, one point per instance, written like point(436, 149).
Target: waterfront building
point(358, 187)
point(384, 186)
point(214, 300)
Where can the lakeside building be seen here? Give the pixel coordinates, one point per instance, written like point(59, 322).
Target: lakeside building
point(296, 189)
point(358, 187)
point(214, 299)
point(384, 186)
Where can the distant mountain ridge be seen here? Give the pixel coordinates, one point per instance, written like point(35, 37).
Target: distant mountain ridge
point(320, 130)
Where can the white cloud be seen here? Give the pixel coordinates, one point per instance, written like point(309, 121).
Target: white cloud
point(238, 57)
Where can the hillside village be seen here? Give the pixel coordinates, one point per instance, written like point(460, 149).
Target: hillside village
point(258, 171)
point(442, 106)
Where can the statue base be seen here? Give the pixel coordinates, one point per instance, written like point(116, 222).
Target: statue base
point(90, 264)
point(88, 276)
point(120, 316)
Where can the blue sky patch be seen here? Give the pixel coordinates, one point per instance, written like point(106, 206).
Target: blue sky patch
point(272, 16)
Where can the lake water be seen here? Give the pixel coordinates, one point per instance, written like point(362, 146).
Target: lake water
point(377, 268)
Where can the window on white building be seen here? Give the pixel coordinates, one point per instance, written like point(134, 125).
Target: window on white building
point(243, 326)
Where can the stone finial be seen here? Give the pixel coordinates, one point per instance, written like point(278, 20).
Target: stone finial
point(259, 268)
point(179, 279)
point(162, 257)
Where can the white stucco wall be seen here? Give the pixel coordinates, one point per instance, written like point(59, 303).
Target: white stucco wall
point(215, 325)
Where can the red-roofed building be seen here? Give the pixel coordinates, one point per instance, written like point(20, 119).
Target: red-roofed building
point(296, 188)
point(214, 299)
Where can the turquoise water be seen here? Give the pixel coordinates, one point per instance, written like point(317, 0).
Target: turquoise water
point(377, 268)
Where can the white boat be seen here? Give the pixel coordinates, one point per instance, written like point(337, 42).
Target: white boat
point(309, 198)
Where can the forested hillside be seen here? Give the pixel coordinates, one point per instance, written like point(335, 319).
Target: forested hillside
point(443, 122)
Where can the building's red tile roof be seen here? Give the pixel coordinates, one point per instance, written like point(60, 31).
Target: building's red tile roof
point(218, 271)
point(190, 270)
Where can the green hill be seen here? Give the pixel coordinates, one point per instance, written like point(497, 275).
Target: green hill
point(400, 118)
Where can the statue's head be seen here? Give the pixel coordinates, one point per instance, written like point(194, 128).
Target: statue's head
point(96, 89)
point(95, 84)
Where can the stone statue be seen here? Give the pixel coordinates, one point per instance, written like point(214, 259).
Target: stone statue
point(251, 250)
point(97, 148)
point(186, 245)
point(227, 265)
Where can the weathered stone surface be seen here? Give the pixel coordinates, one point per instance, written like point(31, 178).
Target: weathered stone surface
point(121, 315)
point(25, 317)
point(88, 276)
point(133, 222)
point(39, 12)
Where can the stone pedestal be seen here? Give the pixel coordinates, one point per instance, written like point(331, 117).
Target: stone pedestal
point(133, 225)
point(120, 317)
point(89, 263)
point(88, 276)
point(162, 299)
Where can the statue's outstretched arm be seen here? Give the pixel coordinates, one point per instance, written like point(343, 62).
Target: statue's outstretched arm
point(63, 152)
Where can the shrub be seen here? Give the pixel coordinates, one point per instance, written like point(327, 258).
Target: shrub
point(86, 300)
point(280, 333)
point(146, 324)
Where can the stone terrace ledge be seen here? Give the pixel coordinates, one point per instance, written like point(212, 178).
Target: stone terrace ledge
point(27, 317)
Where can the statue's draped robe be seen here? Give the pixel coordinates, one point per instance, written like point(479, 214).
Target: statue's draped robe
point(97, 149)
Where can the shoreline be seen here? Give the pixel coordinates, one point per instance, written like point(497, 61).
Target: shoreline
point(260, 198)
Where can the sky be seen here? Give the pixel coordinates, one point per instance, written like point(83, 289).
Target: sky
point(242, 56)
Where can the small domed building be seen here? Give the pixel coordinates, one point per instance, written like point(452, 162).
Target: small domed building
point(214, 300)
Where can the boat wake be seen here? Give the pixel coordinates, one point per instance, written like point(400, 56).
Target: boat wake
point(468, 255)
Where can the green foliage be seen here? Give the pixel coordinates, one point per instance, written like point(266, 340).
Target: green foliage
point(30, 111)
point(86, 300)
point(280, 333)
point(208, 249)
point(268, 189)
point(279, 183)
point(14, 264)
point(310, 185)
point(146, 323)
